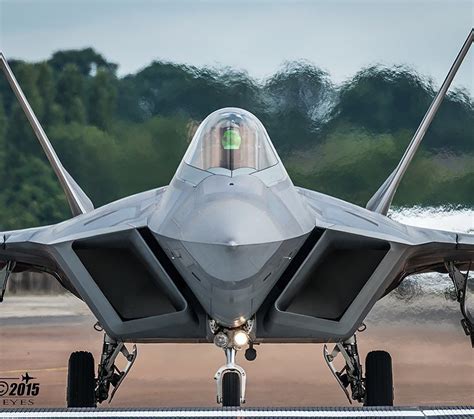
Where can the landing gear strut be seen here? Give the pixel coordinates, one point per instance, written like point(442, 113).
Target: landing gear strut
point(376, 389)
point(109, 374)
point(83, 389)
point(5, 273)
point(351, 373)
point(464, 286)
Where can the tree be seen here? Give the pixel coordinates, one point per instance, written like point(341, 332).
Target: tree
point(298, 99)
point(47, 92)
point(32, 195)
point(168, 89)
point(90, 155)
point(384, 99)
point(3, 129)
point(3, 122)
point(390, 99)
point(85, 60)
point(102, 99)
point(118, 136)
point(70, 94)
point(19, 138)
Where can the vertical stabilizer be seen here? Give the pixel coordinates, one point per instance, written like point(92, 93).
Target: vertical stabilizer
point(77, 199)
point(382, 199)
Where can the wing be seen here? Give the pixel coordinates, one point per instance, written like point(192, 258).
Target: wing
point(440, 248)
point(36, 248)
point(382, 199)
point(451, 255)
point(77, 199)
point(19, 247)
point(18, 253)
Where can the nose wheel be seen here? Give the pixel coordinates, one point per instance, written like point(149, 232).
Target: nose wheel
point(230, 381)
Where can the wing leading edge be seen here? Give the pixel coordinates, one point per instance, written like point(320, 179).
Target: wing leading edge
point(78, 201)
point(382, 199)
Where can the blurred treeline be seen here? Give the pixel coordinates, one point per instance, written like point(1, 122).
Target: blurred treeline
point(121, 135)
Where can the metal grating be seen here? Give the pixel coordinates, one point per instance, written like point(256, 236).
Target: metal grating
point(373, 412)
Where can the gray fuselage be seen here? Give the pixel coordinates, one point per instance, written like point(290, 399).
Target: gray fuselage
point(231, 237)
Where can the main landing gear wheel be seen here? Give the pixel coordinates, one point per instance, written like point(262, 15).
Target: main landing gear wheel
point(231, 389)
point(83, 389)
point(81, 380)
point(378, 379)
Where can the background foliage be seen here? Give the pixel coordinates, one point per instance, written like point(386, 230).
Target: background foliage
point(119, 136)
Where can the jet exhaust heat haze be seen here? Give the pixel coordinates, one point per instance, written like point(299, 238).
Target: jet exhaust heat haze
point(231, 252)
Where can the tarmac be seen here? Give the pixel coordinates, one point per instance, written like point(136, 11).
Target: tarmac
point(432, 358)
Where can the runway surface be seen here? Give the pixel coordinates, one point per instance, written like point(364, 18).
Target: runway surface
point(433, 359)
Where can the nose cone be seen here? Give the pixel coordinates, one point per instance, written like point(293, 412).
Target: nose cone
point(234, 281)
point(231, 282)
point(231, 265)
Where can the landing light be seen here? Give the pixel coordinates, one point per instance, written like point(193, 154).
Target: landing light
point(241, 338)
point(221, 340)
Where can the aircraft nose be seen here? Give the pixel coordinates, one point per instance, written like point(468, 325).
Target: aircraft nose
point(232, 222)
point(231, 265)
point(231, 248)
point(234, 279)
point(230, 281)
point(230, 239)
point(227, 211)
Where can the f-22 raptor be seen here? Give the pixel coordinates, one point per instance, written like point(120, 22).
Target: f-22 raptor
point(232, 252)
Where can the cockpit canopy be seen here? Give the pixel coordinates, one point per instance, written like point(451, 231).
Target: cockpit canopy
point(231, 139)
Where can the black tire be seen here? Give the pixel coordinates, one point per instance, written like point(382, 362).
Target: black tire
point(378, 379)
point(81, 380)
point(231, 389)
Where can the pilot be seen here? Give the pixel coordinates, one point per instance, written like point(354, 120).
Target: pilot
point(231, 141)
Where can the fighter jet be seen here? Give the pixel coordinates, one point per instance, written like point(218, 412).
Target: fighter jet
point(231, 252)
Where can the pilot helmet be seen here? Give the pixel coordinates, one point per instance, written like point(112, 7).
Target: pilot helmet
point(231, 138)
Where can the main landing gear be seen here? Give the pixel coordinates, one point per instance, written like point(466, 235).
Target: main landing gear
point(83, 388)
point(464, 286)
point(376, 389)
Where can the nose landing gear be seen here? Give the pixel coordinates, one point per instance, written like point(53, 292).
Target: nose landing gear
point(231, 378)
point(230, 381)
